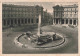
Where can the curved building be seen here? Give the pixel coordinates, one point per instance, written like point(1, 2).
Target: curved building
point(19, 15)
point(67, 14)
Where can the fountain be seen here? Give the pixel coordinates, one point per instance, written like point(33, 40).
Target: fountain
point(40, 39)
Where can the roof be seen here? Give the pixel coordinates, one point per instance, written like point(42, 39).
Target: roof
point(74, 5)
point(66, 6)
point(25, 6)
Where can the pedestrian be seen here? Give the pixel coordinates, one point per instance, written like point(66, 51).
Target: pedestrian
point(54, 37)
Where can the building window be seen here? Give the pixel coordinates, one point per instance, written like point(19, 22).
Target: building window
point(8, 22)
point(57, 21)
point(66, 21)
point(8, 15)
point(4, 15)
point(62, 21)
point(76, 9)
point(64, 12)
point(65, 9)
point(66, 15)
point(18, 21)
point(22, 21)
point(11, 21)
point(74, 22)
point(13, 8)
point(71, 14)
point(29, 20)
point(70, 21)
point(15, 21)
point(71, 9)
point(4, 22)
point(25, 20)
point(36, 20)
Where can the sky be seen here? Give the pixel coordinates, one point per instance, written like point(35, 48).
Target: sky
point(46, 5)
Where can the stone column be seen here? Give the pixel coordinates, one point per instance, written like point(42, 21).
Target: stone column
point(72, 21)
point(68, 21)
point(34, 20)
point(58, 21)
point(64, 21)
point(53, 21)
point(76, 22)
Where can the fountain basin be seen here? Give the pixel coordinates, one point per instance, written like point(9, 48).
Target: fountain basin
point(34, 41)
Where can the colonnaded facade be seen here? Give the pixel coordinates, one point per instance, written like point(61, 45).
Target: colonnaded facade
point(18, 14)
point(66, 14)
